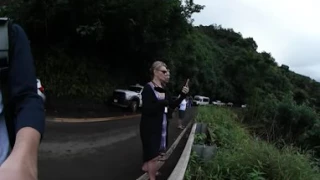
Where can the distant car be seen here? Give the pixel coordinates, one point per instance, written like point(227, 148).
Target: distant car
point(218, 103)
point(201, 100)
point(230, 104)
point(41, 90)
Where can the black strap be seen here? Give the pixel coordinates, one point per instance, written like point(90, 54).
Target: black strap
point(4, 44)
point(8, 110)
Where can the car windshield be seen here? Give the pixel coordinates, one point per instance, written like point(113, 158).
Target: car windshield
point(135, 89)
point(197, 99)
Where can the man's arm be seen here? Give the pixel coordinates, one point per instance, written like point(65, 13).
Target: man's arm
point(28, 107)
point(22, 162)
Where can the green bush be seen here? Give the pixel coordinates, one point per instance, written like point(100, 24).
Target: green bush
point(241, 156)
point(284, 121)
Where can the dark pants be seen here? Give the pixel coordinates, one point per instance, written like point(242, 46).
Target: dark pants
point(181, 114)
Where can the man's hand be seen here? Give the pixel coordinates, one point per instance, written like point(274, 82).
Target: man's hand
point(15, 170)
point(22, 162)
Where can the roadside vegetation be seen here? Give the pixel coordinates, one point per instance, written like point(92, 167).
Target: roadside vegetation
point(243, 156)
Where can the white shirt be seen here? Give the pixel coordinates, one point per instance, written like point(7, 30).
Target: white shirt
point(4, 138)
point(183, 105)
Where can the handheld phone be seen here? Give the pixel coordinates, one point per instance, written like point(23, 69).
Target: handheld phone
point(187, 83)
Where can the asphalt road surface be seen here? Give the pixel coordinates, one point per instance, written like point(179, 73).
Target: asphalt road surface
point(99, 151)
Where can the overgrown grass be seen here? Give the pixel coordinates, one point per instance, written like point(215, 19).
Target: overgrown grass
point(241, 156)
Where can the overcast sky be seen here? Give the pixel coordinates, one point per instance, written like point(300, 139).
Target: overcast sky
point(288, 29)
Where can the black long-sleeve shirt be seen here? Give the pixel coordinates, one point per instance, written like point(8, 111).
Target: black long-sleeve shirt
point(27, 107)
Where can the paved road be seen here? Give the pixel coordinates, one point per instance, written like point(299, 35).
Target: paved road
point(100, 151)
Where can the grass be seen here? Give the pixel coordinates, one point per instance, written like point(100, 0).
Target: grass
point(241, 156)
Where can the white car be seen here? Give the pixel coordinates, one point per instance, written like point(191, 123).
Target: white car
point(218, 103)
point(41, 90)
point(128, 98)
point(201, 100)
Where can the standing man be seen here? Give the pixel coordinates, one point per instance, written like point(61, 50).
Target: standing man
point(22, 117)
point(190, 101)
point(182, 111)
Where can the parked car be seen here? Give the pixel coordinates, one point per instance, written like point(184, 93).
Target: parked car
point(128, 98)
point(41, 90)
point(201, 100)
point(218, 103)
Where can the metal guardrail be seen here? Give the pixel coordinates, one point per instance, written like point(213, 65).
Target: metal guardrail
point(180, 169)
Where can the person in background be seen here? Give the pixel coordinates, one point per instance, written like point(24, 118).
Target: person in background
point(167, 78)
point(156, 108)
point(22, 119)
point(182, 111)
point(190, 101)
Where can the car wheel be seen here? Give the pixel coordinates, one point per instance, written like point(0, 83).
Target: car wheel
point(134, 106)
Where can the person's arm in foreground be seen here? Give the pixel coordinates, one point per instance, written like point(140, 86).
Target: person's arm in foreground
point(22, 162)
point(28, 109)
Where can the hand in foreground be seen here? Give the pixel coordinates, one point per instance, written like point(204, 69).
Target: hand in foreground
point(22, 161)
point(15, 170)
